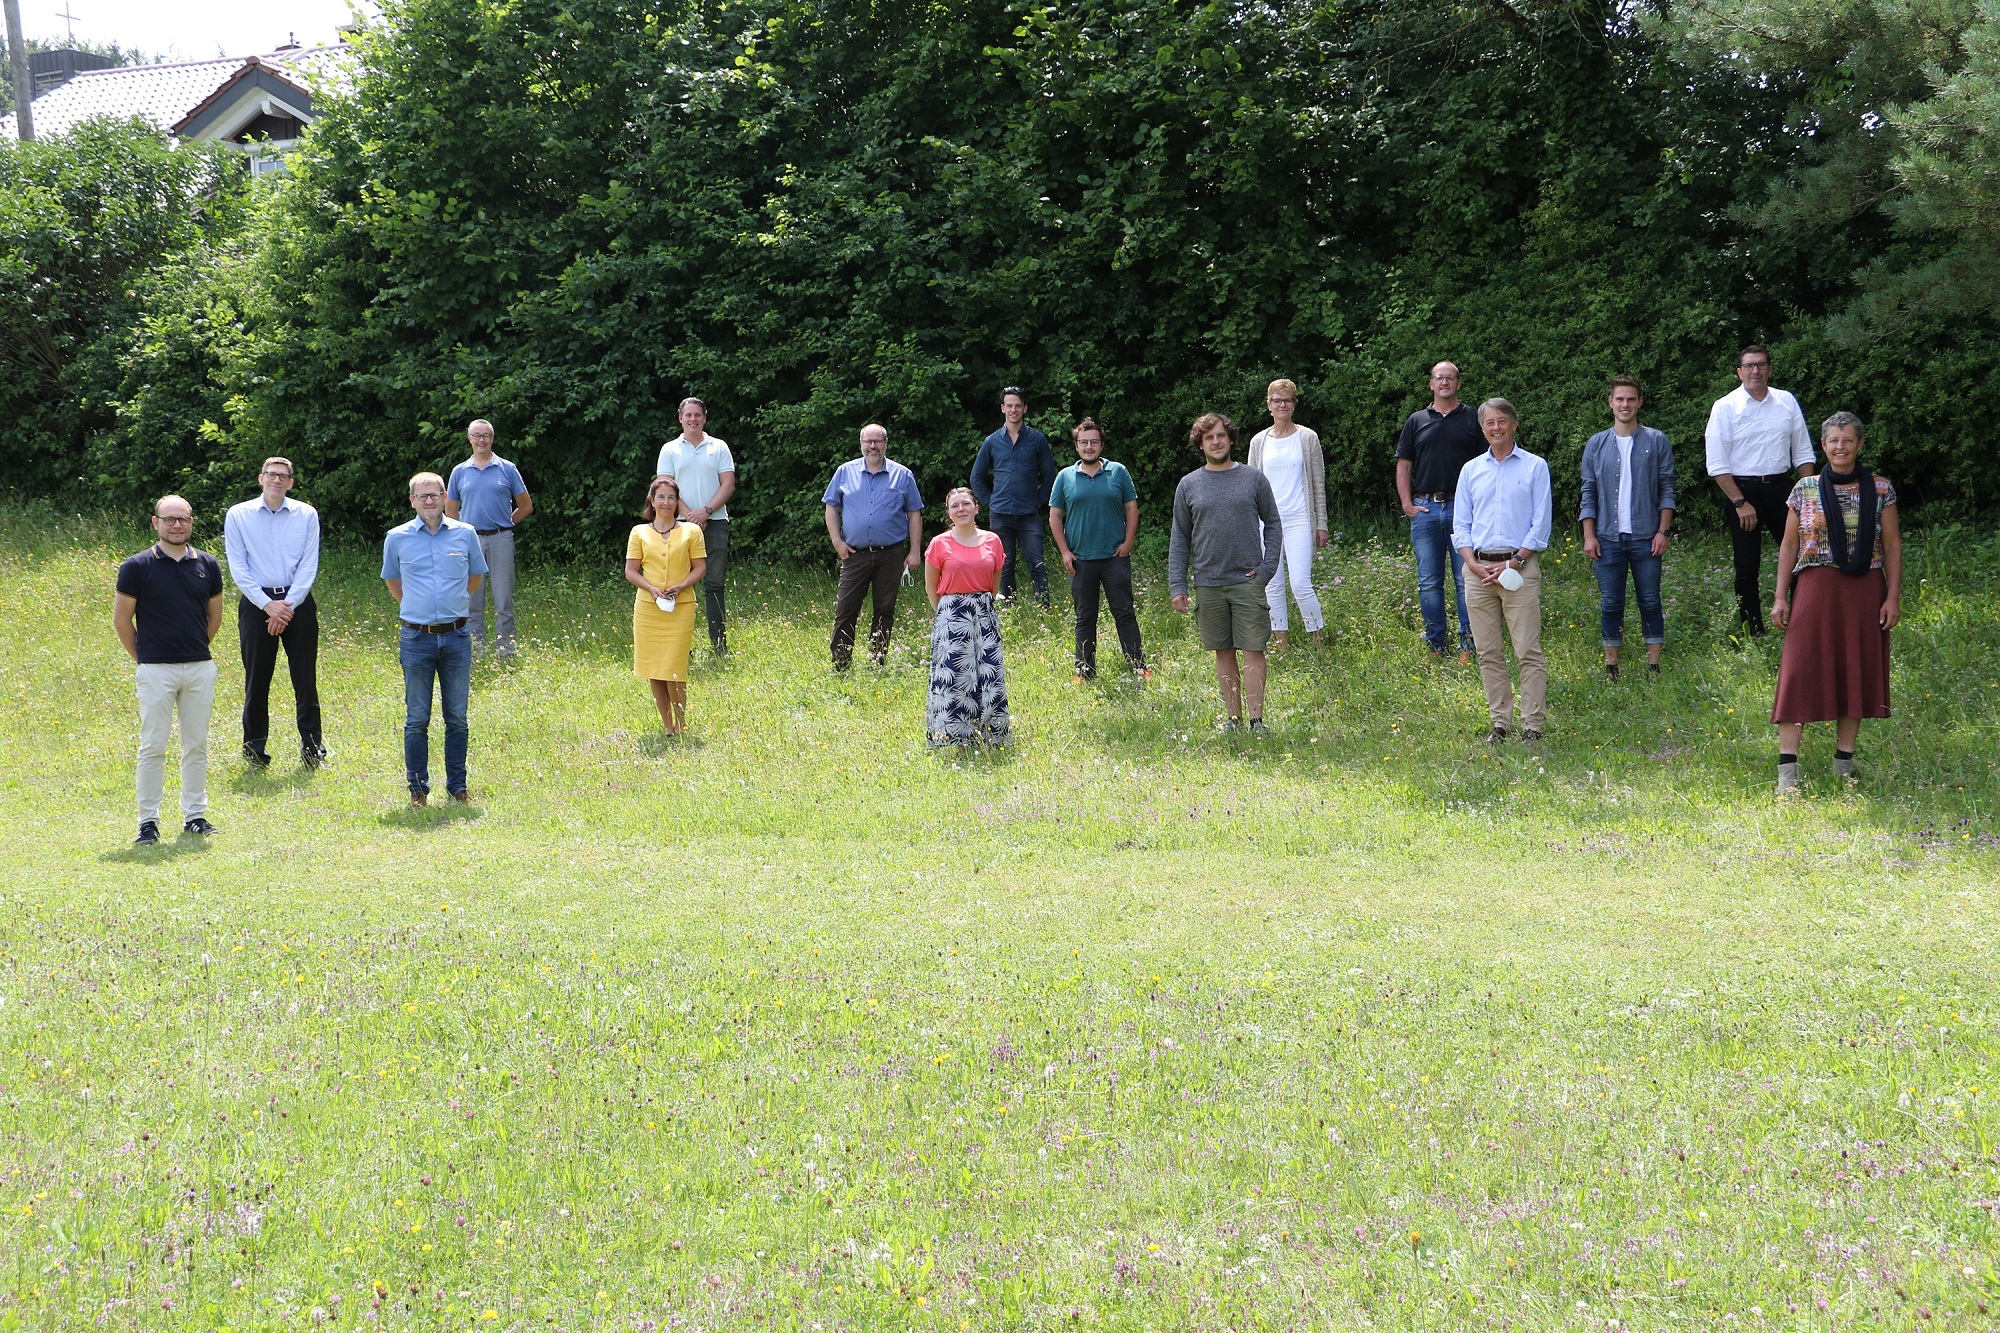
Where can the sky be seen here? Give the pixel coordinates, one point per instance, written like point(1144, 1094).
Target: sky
point(190, 29)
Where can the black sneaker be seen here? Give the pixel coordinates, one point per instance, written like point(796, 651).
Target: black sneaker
point(1496, 735)
point(1230, 726)
point(1652, 668)
point(1611, 671)
point(198, 826)
point(149, 833)
point(314, 756)
point(255, 754)
point(1259, 730)
point(1531, 737)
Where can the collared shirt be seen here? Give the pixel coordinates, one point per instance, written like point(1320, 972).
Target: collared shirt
point(1747, 438)
point(1503, 504)
point(173, 596)
point(1013, 476)
point(434, 568)
point(875, 507)
point(1093, 508)
point(272, 548)
point(1437, 445)
point(697, 469)
point(485, 495)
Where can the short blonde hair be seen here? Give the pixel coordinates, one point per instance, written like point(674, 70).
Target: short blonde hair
point(1286, 385)
point(426, 476)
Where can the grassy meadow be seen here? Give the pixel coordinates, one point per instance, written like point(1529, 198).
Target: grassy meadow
point(796, 1025)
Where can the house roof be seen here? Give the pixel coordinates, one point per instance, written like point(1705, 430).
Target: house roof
point(258, 85)
point(166, 95)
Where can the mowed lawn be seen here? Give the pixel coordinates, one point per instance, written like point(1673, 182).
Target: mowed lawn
point(798, 1025)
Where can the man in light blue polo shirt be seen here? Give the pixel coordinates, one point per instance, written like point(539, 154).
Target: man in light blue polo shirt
point(1094, 514)
point(875, 518)
point(487, 492)
point(434, 567)
point(704, 469)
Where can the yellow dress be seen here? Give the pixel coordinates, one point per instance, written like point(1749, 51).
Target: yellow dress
point(660, 641)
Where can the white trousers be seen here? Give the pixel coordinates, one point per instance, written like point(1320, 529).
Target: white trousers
point(164, 689)
point(1295, 567)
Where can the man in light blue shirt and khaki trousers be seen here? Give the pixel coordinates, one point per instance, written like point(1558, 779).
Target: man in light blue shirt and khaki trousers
point(434, 568)
point(1500, 525)
point(273, 548)
point(705, 472)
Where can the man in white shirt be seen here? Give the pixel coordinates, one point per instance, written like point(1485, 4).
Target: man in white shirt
point(1757, 438)
point(705, 471)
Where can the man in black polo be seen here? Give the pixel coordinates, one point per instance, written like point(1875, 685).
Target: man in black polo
point(167, 609)
point(1436, 444)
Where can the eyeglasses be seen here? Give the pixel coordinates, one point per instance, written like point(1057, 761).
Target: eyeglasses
point(427, 495)
point(277, 476)
point(175, 518)
point(1282, 402)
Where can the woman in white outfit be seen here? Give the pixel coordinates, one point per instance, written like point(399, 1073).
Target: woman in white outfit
point(1289, 455)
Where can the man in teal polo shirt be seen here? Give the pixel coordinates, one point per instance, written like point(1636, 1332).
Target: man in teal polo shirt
point(1094, 514)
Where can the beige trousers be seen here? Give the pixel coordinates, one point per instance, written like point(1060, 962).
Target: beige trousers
point(164, 689)
point(1493, 608)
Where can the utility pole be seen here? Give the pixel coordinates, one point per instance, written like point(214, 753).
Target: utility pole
point(24, 85)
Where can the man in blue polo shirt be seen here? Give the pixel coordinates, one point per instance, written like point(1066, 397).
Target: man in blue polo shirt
point(1011, 476)
point(875, 518)
point(434, 567)
point(168, 607)
point(1094, 514)
point(487, 493)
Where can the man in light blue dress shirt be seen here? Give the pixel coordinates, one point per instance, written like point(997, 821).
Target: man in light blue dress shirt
point(434, 568)
point(273, 548)
point(1500, 525)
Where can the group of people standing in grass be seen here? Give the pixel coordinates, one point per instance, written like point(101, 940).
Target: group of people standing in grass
point(1242, 543)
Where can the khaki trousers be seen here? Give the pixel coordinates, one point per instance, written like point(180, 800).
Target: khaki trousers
point(164, 689)
point(1491, 608)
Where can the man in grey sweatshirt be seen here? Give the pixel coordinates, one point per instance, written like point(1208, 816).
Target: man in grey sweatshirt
point(1227, 537)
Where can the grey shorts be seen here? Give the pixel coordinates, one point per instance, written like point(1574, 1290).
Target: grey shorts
point(1233, 617)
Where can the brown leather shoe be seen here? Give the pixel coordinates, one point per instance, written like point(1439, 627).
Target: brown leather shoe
point(462, 797)
point(418, 800)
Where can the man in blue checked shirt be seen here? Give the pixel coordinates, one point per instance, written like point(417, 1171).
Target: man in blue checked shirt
point(1500, 526)
point(273, 548)
point(875, 518)
point(434, 568)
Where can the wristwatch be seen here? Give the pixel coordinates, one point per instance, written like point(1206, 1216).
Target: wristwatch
point(1741, 500)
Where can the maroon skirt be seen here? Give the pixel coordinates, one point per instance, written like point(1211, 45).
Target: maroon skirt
point(1836, 660)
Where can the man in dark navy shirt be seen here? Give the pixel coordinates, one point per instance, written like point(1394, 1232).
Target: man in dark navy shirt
point(1436, 444)
point(1011, 477)
point(168, 607)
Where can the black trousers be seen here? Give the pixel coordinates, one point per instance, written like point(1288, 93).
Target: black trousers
point(1114, 578)
point(880, 571)
point(715, 537)
point(1767, 498)
point(260, 662)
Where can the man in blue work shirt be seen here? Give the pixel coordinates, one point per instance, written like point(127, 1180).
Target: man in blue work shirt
point(487, 492)
point(1094, 514)
point(1500, 525)
point(1011, 478)
point(875, 518)
point(434, 568)
point(273, 547)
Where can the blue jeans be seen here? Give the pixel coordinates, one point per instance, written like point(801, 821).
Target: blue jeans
point(1430, 533)
point(446, 658)
point(1021, 534)
point(1636, 554)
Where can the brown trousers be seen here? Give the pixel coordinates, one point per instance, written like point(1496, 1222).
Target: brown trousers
point(1492, 609)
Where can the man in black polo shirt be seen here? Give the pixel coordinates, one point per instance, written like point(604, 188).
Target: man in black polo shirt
point(168, 607)
point(1436, 444)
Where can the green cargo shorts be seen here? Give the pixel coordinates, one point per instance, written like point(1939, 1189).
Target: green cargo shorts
point(1233, 617)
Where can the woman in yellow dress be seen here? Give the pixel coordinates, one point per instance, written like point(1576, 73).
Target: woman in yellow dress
point(664, 558)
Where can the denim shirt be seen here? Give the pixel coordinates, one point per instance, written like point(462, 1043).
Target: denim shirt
point(1652, 481)
point(1013, 476)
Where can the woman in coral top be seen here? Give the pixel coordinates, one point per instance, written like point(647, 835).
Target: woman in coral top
point(968, 702)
